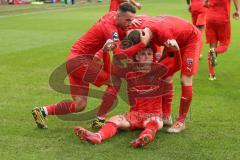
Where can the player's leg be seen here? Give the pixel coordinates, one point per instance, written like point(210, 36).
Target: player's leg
point(224, 34)
point(200, 24)
point(212, 40)
point(79, 91)
point(107, 131)
point(190, 59)
point(212, 61)
point(167, 106)
point(148, 134)
point(62, 108)
point(108, 99)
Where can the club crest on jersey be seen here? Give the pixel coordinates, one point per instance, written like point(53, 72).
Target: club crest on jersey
point(189, 61)
point(115, 36)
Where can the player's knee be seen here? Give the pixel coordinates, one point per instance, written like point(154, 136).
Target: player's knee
point(186, 80)
point(160, 124)
point(116, 119)
point(81, 103)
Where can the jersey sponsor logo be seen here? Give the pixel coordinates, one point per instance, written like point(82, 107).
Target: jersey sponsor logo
point(189, 61)
point(115, 36)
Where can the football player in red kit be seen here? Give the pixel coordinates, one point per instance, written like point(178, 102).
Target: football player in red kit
point(145, 98)
point(198, 12)
point(114, 4)
point(218, 30)
point(81, 68)
point(168, 30)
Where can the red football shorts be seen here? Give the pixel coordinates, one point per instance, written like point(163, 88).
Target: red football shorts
point(138, 120)
point(190, 55)
point(76, 70)
point(218, 32)
point(82, 70)
point(198, 19)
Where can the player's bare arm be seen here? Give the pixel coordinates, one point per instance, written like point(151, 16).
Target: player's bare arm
point(172, 43)
point(236, 14)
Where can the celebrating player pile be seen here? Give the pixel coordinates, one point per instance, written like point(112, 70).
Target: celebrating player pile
point(80, 66)
point(180, 35)
point(123, 35)
point(147, 82)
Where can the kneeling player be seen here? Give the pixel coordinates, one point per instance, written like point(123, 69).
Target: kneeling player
point(145, 96)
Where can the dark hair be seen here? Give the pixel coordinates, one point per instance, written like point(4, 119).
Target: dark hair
point(134, 36)
point(127, 7)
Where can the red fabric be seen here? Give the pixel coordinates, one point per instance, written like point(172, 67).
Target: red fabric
point(114, 4)
point(129, 52)
point(218, 32)
point(197, 6)
point(167, 103)
point(108, 130)
point(108, 99)
point(137, 118)
point(169, 27)
point(94, 39)
point(186, 34)
point(199, 19)
point(61, 108)
point(151, 128)
point(218, 10)
point(190, 56)
point(185, 102)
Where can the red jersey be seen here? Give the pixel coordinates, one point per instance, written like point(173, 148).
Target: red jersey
point(114, 4)
point(218, 10)
point(197, 6)
point(145, 94)
point(170, 27)
point(95, 38)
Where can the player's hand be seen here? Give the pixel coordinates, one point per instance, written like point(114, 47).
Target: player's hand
point(236, 15)
point(136, 22)
point(172, 43)
point(109, 45)
point(146, 36)
point(138, 5)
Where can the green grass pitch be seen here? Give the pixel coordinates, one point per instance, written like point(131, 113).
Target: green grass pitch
point(35, 39)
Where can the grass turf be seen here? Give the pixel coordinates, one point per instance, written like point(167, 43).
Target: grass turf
point(34, 40)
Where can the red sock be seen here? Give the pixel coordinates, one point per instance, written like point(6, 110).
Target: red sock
point(210, 68)
point(108, 130)
point(61, 108)
point(108, 100)
point(151, 128)
point(185, 102)
point(167, 104)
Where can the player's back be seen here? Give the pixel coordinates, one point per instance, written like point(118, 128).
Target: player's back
point(96, 36)
point(171, 27)
point(219, 10)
